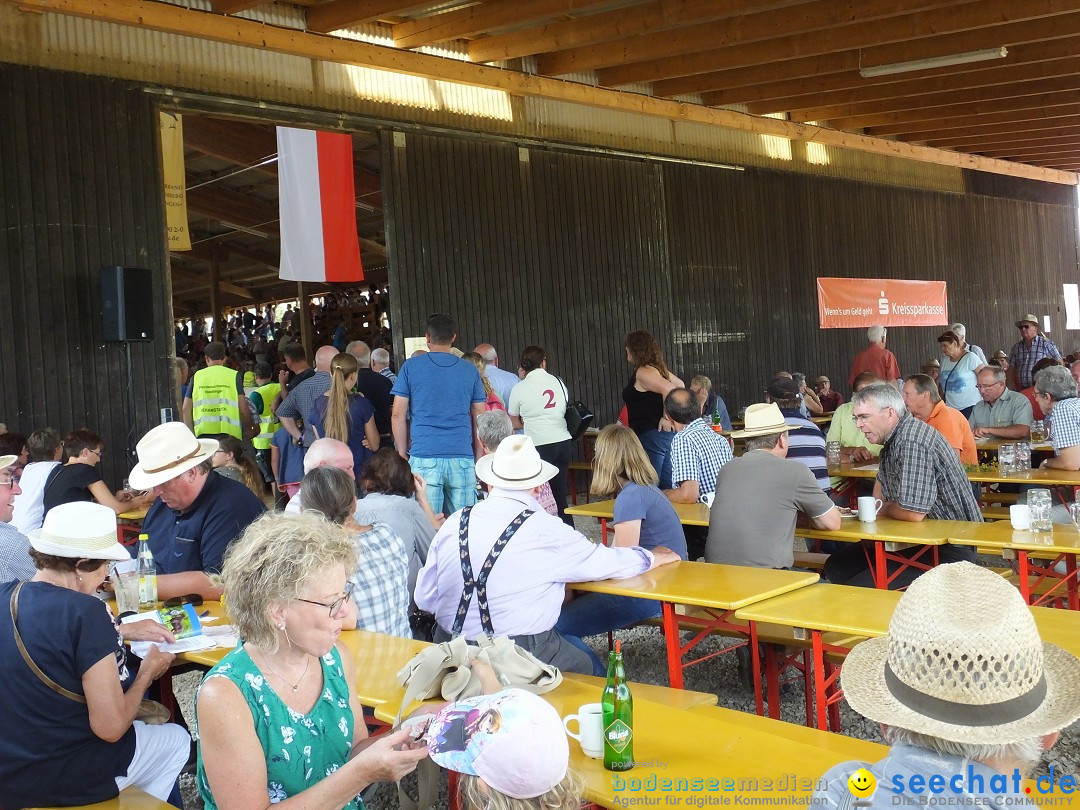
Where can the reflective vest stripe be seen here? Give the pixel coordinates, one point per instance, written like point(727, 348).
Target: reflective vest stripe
point(216, 403)
point(268, 421)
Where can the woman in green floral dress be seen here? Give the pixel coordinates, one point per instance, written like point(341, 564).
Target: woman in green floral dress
point(278, 717)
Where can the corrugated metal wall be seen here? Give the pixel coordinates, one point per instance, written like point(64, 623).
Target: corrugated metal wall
point(80, 188)
point(572, 251)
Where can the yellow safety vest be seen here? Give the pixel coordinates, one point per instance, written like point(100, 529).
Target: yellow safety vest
point(216, 402)
point(268, 422)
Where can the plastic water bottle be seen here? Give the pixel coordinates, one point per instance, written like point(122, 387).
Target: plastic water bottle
point(147, 574)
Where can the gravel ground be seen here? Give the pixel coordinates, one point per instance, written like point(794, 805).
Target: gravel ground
point(646, 662)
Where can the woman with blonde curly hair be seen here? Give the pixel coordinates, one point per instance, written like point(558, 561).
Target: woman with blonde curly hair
point(340, 414)
point(644, 397)
point(278, 716)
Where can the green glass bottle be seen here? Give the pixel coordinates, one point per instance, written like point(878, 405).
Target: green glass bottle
point(716, 413)
point(618, 708)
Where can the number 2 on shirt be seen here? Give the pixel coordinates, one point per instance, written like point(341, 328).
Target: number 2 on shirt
point(550, 399)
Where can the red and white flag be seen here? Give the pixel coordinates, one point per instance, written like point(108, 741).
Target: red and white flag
point(317, 203)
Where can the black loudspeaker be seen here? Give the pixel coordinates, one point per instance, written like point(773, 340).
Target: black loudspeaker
point(127, 304)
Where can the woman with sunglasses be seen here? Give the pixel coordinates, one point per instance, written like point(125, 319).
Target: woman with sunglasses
point(79, 477)
point(278, 717)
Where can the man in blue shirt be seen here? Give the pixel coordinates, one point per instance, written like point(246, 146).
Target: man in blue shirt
point(440, 394)
point(197, 514)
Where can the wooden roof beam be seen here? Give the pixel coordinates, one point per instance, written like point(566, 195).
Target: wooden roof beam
point(971, 141)
point(240, 32)
point(928, 100)
point(1023, 120)
point(491, 15)
point(342, 13)
point(922, 87)
point(647, 19)
point(947, 112)
point(817, 19)
point(1064, 149)
point(838, 71)
point(1002, 24)
point(232, 207)
point(201, 281)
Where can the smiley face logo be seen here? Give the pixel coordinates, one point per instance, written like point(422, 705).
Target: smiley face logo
point(862, 784)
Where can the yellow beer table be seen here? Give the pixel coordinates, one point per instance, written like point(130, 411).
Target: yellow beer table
point(129, 524)
point(823, 608)
point(719, 590)
point(1044, 476)
point(690, 514)
point(889, 536)
point(1059, 546)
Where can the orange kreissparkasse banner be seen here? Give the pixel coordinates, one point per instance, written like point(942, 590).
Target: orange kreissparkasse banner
point(861, 302)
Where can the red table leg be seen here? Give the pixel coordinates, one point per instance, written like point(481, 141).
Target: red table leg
point(819, 679)
point(674, 650)
point(756, 669)
point(880, 570)
point(1023, 573)
point(603, 531)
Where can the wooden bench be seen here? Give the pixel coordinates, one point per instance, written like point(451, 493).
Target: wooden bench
point(811, 560)
point(572, 471)
point(130, 798)
point(995, 513)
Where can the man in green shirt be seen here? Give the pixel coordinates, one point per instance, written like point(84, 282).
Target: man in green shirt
point(854, 446)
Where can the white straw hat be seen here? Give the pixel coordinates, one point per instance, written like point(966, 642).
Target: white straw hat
point(762, 419)
point(515, 464)
point(963, 662)
point(7, 461)
point(80, 530)
point(167, 451)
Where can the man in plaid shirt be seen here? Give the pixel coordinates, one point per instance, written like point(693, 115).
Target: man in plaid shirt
point(920, 477)
point(1056, 393)
point(697, 451)
point(1026, 352)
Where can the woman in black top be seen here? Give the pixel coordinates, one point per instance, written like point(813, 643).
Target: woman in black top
point(644, 397)
point(79, 478)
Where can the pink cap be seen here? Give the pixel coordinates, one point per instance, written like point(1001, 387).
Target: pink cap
point(513, 740)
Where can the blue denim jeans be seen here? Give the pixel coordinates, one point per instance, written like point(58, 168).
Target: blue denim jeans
point(593, 613)
point(657, 444)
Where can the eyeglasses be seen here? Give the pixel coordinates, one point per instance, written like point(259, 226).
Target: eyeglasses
point(10, 481)
point(987, 387)
point(859, 418)
point(334, 606)
point(192, 599)
point(98, 453)
point(1042, 394)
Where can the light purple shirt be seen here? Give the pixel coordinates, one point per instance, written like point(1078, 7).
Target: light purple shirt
point(526, 586)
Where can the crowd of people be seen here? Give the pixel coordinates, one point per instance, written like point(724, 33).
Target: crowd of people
point(431, 502)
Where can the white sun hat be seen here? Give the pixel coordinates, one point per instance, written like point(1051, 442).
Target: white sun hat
point(515, 464)
point(963, 662)
point(7, 461)
point(165, 452)
point(762, 419)
point(80, 530)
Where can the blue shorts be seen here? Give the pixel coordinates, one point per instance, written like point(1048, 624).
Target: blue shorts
point(451, 482)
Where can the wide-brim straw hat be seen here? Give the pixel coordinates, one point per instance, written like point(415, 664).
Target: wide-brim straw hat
point(79, 530)
point(1002, 354)
point(762, 419)
point(1029, 318)
point(963, 662)
point(7, 461)
point(515, 464)
point(932, 363)
point(822, 378)
point(167, 451)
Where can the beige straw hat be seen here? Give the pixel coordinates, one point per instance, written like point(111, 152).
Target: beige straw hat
point(963, 662)
point(167, 451)
point(7, 461)
point(762, 419)
point(515, 464)
point(79, 530)
point(1029, 318)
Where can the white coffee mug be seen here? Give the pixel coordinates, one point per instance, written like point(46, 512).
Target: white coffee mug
point(1020, 516)
point(590, 720)
point(868, 508)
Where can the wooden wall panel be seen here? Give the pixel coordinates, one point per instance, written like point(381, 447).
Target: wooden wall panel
point(574, 250)
point(80, 188)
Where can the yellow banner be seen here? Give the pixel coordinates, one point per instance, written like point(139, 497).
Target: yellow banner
point(172, 166)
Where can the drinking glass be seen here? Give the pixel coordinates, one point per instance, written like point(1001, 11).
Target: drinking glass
point(1074, 513)
point(1023, 457)
point(1006, 459)
point(1039, 507)
point(1038, 431)
point(126, 589)
point(832, 454)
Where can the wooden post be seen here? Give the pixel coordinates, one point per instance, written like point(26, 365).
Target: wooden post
point(215, 298)
point(304, 316)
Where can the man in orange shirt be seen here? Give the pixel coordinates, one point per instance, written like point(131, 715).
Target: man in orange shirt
point(924, 403)
point(876, 359)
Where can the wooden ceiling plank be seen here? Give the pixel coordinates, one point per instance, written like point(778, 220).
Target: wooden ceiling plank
point(648, 19)
point(1008, 26)
point(234, 6)
point(1058, 151)
point(949, 111)
point(342, 13)
point(486, 16)
point(813, 20)
point(927, 88)
point(727, 87)
point(1035, 130)
point(203, 282)
point(929, 100)
point(234, 208)
point(1022, 119)
point(240, 32)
